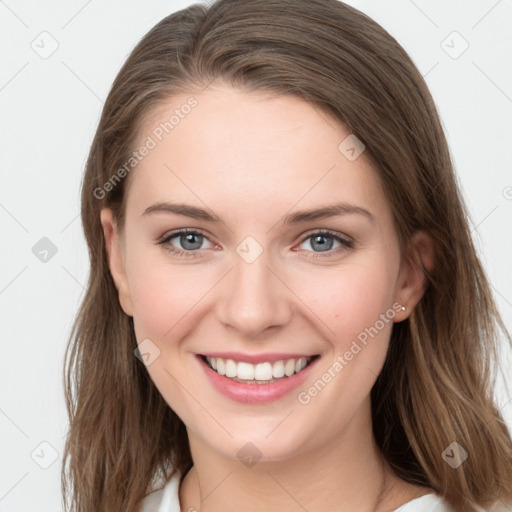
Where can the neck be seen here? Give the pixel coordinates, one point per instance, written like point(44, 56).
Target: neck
point(350, 473)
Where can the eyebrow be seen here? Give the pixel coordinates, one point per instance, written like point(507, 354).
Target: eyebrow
point(297, 217)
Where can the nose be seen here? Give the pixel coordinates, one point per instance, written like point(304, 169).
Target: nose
point(254, 299)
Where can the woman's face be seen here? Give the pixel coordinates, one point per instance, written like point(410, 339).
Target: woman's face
point(262, 278)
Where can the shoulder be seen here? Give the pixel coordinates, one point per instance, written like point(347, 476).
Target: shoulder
point(434, 503)
point(427, 503)
point(164, 499)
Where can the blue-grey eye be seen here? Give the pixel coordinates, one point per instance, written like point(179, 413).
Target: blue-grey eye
point(322, 242)
point(191, 241)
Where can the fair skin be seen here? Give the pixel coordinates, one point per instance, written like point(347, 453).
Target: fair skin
point(250, 159)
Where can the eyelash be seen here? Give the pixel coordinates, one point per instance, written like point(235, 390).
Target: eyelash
point(345, 242)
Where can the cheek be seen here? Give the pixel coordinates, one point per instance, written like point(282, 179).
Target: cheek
point(357, 304)
point(347, 299)
point(350, 298)
point(165, 298)
point(164, 294)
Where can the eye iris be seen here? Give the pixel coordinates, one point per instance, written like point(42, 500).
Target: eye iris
point(189, 238)
point(321, 240)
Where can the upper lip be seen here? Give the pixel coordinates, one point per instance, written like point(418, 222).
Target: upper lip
point(256, 358)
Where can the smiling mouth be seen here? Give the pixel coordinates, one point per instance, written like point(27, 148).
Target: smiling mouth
point(260, 373)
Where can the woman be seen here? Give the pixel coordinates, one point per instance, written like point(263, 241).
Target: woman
point(285, 309)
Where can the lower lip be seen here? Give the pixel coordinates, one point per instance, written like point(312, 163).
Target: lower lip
point(256, 393)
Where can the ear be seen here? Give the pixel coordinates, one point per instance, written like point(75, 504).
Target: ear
point(116, 264)
point(412, 280)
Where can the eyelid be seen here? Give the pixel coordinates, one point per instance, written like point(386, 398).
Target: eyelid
point(165, 240)
point(345, 238)
point(305, 236)
point(345, 241)
point(171, 234)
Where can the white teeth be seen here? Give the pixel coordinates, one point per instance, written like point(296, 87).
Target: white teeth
point(300, 364)
point(289, 367)
point(231, 368)
point(245, 371)
point(261, 371)
point(278, 369)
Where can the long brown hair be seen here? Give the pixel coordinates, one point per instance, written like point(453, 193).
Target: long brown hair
point(436, 386)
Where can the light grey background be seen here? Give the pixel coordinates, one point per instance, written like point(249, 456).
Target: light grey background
point(49, 109)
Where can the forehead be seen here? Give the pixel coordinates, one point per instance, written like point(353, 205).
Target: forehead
point(253, 152)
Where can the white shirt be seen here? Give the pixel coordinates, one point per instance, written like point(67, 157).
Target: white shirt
point(167, 500)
